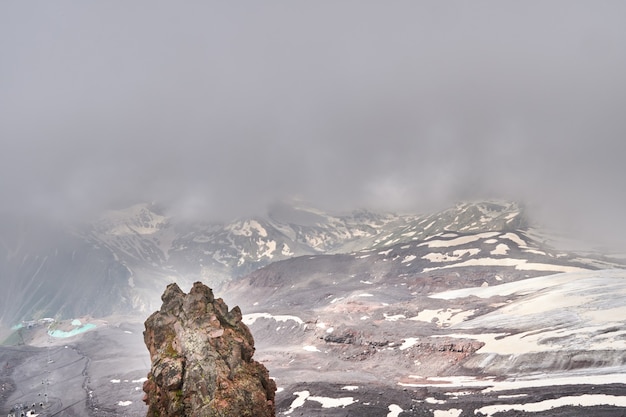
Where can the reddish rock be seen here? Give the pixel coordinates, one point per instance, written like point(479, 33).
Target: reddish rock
point(202, 362)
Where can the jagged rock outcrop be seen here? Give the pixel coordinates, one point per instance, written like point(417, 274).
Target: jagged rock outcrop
point(202, 362)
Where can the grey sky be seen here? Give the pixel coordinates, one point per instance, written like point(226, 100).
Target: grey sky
point(220, 107)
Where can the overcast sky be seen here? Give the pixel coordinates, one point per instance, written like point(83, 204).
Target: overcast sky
point(218, 108)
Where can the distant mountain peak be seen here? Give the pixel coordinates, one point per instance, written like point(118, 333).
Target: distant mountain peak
point(134, 250)
point(137, 219)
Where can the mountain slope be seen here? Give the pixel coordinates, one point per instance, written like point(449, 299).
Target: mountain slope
point(459, 313)
point(456, 320)
point(120, 263)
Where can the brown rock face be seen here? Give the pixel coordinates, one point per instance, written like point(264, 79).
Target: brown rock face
point(202, 362)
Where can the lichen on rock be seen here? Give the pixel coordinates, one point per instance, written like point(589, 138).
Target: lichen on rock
point(201, 356)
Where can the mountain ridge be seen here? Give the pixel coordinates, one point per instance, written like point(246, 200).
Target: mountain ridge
point(467, 310)
point(119, 263)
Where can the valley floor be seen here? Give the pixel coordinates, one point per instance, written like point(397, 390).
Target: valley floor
point(100, 374)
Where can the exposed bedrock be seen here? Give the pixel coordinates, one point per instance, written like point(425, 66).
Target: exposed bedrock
point(201, 356)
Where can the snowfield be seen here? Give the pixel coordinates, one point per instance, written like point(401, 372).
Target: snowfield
point(591, 303)
point(520, 264)
point(444, 315)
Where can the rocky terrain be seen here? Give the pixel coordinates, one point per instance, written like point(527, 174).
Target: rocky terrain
point(202, 362)
point(472, 323)
point(119, 263)
point(472, 311)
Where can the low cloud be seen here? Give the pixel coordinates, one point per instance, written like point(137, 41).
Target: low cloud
point(217, 110)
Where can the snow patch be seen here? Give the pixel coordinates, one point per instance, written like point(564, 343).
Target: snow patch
point(249, 319)
point(437, 243)
point(519, 264)
point(247, 228)
point(512, 396)
point(432, 400)
point(536, 252)
point(453, 412)
point(501, 249)
point(489, 384)
point(326, 402)
point(514, 238)
point(301, 397)
point(395, 317)
point(456, 255)
point(443, 318)
point(586, 400)
point(394, 410)
point(286, 251)
point(408, 343)
point(271, 248)
point(310, 348)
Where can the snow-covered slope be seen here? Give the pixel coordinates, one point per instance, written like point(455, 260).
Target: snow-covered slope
point(465, 218)
point(140, 235)
point(121, 262)
point(512, 330)
point(459, 313)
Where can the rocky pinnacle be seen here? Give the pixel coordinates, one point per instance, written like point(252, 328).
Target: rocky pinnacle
point(201, 356)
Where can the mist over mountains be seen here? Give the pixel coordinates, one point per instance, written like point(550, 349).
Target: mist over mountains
point(146, 143)
point(463, 310)
point(120, 263)
point(218, 110)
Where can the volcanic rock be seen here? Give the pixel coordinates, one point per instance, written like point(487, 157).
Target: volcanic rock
point(201, 356)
